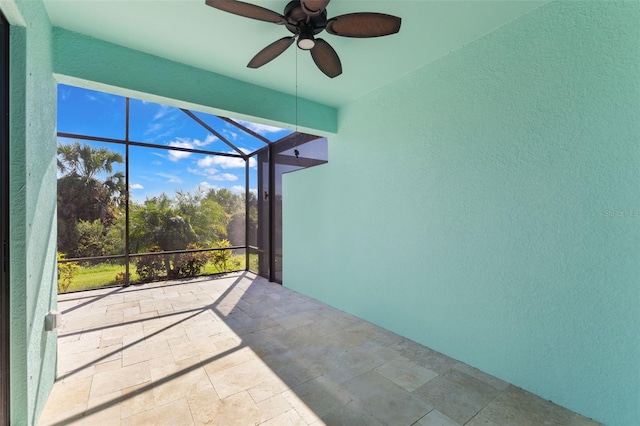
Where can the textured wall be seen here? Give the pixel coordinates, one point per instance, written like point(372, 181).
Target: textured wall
point(487, 206)
point(85, 58)
point(32, 215)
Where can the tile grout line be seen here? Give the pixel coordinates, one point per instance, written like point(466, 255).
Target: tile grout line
point(493, 399)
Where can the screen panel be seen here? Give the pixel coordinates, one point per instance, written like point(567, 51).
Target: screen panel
point(165, 125)
point(91, 191)
point(91, 113)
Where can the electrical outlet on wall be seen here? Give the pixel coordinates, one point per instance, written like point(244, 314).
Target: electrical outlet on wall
point(52, 320)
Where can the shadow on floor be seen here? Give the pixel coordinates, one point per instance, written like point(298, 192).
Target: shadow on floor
point(241, 350)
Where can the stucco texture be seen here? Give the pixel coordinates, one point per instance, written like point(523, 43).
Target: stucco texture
point(32, 213)
point(88, 62)
point(487, 206)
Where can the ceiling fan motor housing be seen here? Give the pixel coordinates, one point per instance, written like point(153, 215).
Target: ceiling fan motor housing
point(297, 19)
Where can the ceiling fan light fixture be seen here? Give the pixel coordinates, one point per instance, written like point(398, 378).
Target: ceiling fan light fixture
point(305, 39)
point(306, 43)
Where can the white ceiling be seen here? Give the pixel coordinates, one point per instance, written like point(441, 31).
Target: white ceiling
point(195, 34)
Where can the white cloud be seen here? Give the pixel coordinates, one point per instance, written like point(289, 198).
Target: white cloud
point(101, 97)
point(225, 162)
point(212, 174)
point(208, 140)
point(230, 134)
point(238, 189)
point(206, 186)
point(260, 129)
point(163, 123)
point(224, 177)
point(189, 144)
point(206, 161)
point(162, 111)
point(181, 143)
point(229, 162)
point(196, 171)
point(154, 128)
point(156, 163)
point(171, 178)
point(252, 160)
point(179, 155)
point(136, 186)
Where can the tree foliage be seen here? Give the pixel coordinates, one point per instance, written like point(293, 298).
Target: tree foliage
point(86, 161)
point(230, 202)
point(207, 217)
point(157, 222)
point(82, 195)
point(91, 218)
point(96, 240)
point(234, 208)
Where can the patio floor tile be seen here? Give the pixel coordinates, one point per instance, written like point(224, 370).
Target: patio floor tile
point(238, 350)
point(457, 395)
point(386, 401)
point(174, 413)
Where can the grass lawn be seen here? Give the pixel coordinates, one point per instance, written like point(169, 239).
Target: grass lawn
point(104, 274)
point(101, 275)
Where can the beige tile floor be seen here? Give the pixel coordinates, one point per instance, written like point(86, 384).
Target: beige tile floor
point(238, 350)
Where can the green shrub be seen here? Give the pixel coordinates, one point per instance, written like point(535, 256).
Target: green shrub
point(191, 264)
point(150, 267)
point(221, 258)
point(121, 278)
point(66, 272)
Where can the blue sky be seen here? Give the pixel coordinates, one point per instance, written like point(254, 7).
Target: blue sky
point(153, 171)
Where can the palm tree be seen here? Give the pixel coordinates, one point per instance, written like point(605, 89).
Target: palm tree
point(88, 190)
point(87, 162)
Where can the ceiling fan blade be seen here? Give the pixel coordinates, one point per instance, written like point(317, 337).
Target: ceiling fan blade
point(247, 10)
point(270, 52)
point(326, 58)
point(363, 25)
point(314, 7)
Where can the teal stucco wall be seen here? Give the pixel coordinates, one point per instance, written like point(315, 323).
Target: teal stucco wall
point(32, 211)
point(487, 206)
point(40, 56)
point(89, 62)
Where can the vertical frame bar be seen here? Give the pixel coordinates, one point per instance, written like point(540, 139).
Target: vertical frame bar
point(4, 222)
point(262, 210)
point(272, 211)
point(246, 213)
point(126, 194)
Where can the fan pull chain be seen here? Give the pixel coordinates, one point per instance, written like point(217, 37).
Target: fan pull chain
point(295, 144)
point(296, 90)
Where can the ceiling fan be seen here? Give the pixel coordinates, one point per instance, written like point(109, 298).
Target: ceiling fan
point(307, 18)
